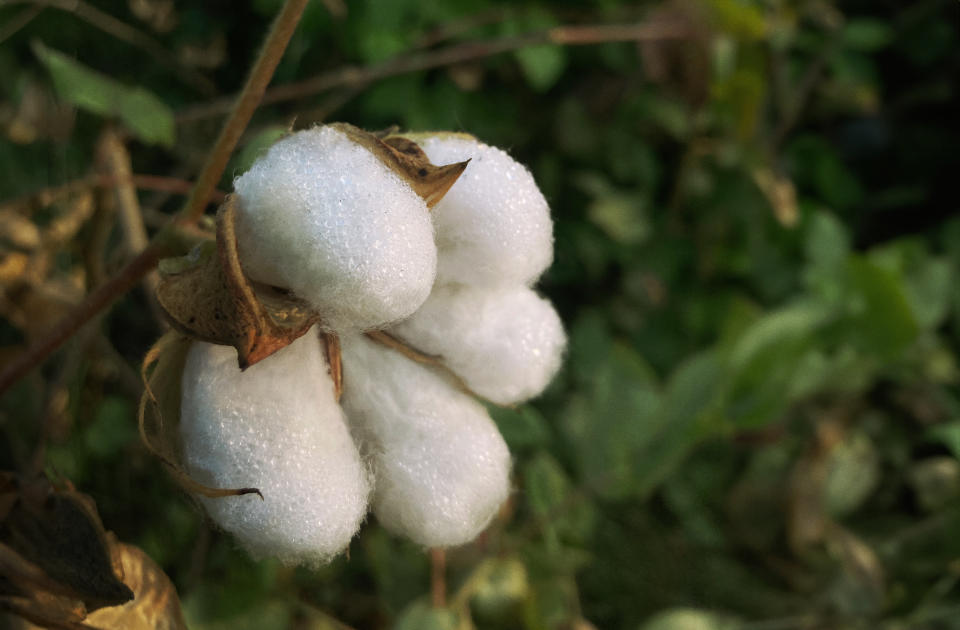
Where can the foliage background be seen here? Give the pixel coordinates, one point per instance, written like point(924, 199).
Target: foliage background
point(757, 258)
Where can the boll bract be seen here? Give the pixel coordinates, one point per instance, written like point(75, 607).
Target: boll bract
point(277, 427)
point(322, 216)
point(441, 467)
point(506, 343)
point(493, 226)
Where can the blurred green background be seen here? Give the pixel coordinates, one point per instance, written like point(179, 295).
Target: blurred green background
point(757, 259)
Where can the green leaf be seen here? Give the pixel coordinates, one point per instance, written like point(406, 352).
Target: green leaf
point(622, 216)
point(689, 619)
point(113, 427)
point(521, 428)
point(563, 514)
point(948, 434)
point(741, 19)
point(145, 115)
point(607, 428)
point(687, 414)
point(827, 244)
point(542, 65)
point(764, 361)
point(422, 616)
point(854, 472)
point(881, 319)
point(867, 34)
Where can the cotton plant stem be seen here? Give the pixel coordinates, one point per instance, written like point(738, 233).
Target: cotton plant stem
point(279, 36)
point(438, 577)
point(115, 161)
point(450, 55)
point(248, 101)
point(46, 196)
point(95, 302)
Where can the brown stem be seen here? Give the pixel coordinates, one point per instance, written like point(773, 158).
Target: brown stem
point(18, 22)
point(260, 75)
point(277, 40)
point(457, 53)
point(438, 577)
point(100, 299)
point(46, 196)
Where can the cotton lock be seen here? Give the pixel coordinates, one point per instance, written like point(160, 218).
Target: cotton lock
point(442, 469)
point(506, 343)
point(323, 217)
point(493, 226)
point(276, 427)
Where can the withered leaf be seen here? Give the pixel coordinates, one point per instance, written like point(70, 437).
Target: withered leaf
point(207, 296)
point(408, 160)
point(55, 557)
point(155, 605)
point(58, 532)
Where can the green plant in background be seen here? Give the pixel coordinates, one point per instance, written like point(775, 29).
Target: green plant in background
point(756, 263)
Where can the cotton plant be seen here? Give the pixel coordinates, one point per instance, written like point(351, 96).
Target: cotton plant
point(380, 298)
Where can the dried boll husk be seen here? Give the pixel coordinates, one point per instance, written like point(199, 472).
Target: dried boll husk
point(441, 467)
point(336, 222)
point(505, 343)
point(276, 427)
point(493, 226)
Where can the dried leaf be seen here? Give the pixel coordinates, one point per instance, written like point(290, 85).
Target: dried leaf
point(408, 160)
point(207, 296)
point(155, 605)
point(59, 532)
point(55, 556)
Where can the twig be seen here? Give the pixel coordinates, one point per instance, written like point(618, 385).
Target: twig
point(115, 160)
point(127, 278)
point(116, 163)
point(127, 34)
point(438, 577)
point(45, 197)
point(100, 299)
point(246, 104)
point(22, 19)
point(457, 53)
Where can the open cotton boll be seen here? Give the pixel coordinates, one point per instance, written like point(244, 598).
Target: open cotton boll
point(322, 216)
point(441, 467)
point(276, 427)
point(506, 343)
point(493, 225)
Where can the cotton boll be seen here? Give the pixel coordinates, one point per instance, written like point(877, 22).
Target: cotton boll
point(320, 215)
point(506, 343)
point(493, 226)
point(440, 464)
point(276, 427)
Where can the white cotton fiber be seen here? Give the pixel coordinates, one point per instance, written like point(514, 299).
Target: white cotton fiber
point(493, 226)
point(506, 343)
point(276, 427)
point(441, 467)
point(320, 215)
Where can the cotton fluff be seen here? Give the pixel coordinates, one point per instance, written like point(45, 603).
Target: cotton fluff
point(506, 343)
point(322, 216)
point(493, 226)
point(276, 427)
point(440, 464)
